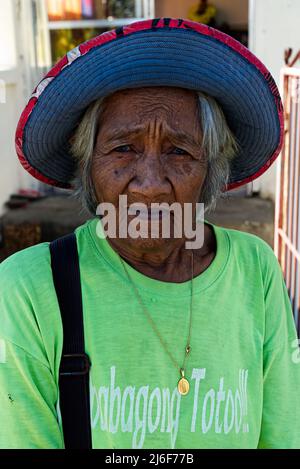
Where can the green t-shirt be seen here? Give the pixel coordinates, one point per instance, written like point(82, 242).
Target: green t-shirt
point(243, 369)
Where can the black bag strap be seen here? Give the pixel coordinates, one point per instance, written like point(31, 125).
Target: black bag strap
point(75, 364)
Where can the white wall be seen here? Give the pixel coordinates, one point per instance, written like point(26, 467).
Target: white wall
point(8, 57)
point(11, 174)
point(274, 25)
point(19, 72)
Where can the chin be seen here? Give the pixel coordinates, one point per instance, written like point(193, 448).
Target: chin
point(151, 244)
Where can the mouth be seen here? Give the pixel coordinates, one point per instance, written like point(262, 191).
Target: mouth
point(152, 214)
point(148, 213)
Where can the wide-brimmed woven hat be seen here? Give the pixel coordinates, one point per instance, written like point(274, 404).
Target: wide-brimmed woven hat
point(156, 52)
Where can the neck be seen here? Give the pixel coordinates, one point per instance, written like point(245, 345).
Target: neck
point(169, 263)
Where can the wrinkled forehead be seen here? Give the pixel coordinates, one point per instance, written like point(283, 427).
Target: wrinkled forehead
point(154, 92)
point(176, 107)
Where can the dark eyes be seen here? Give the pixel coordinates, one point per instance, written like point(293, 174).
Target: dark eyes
point(127, 148)
point(179, 151)
point(123, 149)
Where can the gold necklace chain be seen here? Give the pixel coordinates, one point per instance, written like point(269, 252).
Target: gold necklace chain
point(183, 384)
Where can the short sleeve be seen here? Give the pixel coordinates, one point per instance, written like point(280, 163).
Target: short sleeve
point(280, 426)
point(28, 378)
point(27, 402)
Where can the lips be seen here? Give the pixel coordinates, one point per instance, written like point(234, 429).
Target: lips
point(149, 213)
point(153, 211)
point(152, 214)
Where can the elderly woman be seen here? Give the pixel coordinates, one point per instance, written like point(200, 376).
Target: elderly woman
point(178, 346)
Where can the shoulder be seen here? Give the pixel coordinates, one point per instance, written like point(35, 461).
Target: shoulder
point(29, 310)
point(254, 261)
point(244, 241)
point(27, 301)
point(33, 263)
point(25, 265)
point(252, 253)
point(25, 272)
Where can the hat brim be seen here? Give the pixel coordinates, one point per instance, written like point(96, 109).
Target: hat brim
point(159, 52)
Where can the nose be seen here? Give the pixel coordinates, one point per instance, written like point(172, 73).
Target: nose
point(150, 183)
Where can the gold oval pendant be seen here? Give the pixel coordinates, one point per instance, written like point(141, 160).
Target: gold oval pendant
point(183, 386)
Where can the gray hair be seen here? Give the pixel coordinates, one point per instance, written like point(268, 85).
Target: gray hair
point(218, 143)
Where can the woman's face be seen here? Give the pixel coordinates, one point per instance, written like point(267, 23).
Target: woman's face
point(148, 148)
